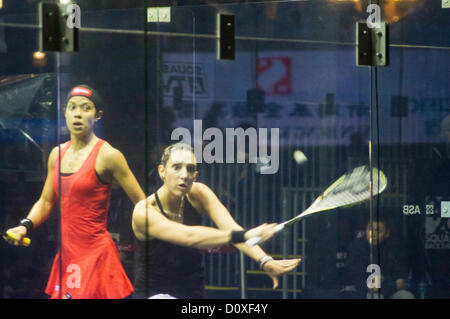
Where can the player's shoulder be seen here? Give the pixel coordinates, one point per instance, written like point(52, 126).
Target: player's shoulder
point(55, 150)
point(145, 208)
point(199, 189)
point(147, 203)
point(201, 194)
point(108, 150)
point(53, 155)
point(110, 155)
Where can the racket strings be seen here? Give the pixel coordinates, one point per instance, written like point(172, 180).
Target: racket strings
point(350, 189)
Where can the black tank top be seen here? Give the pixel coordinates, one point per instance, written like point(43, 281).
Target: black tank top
point(168, 268)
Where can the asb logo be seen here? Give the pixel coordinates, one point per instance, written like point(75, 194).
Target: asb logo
point(275, 75)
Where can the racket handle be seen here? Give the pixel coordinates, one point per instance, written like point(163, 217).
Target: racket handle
point(253, 241)
point(25, 241)
point(256, 240)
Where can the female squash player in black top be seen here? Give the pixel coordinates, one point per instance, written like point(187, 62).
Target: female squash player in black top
point(168, 228)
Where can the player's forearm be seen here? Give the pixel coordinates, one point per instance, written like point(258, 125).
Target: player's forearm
point(40, 212)
point(254, 252)
point(205, 237)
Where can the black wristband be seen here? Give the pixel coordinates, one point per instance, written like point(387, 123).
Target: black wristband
point(28, 224)
point(237, 236)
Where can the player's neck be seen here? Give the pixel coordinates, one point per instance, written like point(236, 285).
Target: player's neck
point(169, 201)
point(80, 142)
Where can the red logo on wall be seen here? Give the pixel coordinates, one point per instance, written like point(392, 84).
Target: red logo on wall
point(274, 75)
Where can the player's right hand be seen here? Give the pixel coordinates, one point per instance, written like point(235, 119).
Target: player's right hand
point(16, 235)
point(264, 231)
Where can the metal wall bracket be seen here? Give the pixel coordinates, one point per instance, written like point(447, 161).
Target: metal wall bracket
point(372, 44)
point(225, 37)
point(57, 33)
point(159, 14)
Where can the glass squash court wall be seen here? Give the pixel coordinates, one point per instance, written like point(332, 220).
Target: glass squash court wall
point(34, 95)
point(413, 124)
point(298, 90)
point(28, 134)
point(294, 83)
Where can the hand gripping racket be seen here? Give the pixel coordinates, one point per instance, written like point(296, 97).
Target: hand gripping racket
point(9, 236)
point(351, 188)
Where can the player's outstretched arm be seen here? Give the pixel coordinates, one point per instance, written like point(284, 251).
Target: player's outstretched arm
point(223, 219)
point(148, 223)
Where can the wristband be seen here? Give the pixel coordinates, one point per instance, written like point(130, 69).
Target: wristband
point(237, 236)
point(28, 224)
point(263, 261)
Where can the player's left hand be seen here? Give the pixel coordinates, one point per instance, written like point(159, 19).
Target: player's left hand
point(275, 268)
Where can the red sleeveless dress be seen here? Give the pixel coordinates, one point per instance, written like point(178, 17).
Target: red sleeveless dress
point(90, 263)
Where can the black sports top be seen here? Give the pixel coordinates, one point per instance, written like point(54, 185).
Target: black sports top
point(168, 268)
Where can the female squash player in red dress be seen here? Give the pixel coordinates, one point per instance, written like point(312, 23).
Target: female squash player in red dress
point(87, 264)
